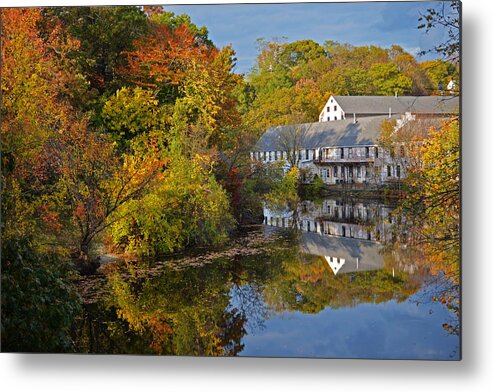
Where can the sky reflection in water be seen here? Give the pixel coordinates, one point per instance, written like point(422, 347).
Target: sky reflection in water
point(329, 288)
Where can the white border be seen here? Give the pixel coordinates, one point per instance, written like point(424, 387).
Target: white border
point(474, 373)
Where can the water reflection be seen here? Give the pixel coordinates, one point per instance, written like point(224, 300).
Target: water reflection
point(322, 283)
point(349, 235)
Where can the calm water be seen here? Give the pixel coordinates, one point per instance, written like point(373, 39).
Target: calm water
point(323, 281)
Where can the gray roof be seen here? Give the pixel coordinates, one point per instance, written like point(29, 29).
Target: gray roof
point(359, 255)
point(365, 132)
point(381, 104)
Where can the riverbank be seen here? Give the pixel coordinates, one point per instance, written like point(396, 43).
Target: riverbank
point(250, 240)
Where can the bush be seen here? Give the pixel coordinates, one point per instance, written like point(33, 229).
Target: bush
point(39, 303)
point(188, 207)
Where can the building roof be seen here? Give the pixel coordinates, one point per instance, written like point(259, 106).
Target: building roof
point(365, 132)
point(358, 255)
point(381, 104)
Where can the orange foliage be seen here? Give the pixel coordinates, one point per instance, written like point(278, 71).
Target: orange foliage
point(164, 56)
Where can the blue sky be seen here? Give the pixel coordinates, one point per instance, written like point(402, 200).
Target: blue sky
point(372, 23)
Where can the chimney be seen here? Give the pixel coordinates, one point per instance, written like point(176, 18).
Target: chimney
point(354, 118)
point(390, 112)
point(396, 93)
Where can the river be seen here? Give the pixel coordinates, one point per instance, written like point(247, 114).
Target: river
point(321, 281)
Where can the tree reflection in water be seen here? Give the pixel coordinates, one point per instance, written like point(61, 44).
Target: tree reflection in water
point(208, 309)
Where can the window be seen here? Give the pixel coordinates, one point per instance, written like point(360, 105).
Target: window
point(299, 155)
point(398, 171)
point(350, 171)
point(389, 171)
point(403, 151)
point(335, 108)
point(313, 154)
point(328, 108)
point(367, 152)
point(270, 155)
point(358, 171)
point(324, 174)
point(342, 153)
point(376, 152)
point(350, 152)
point(265, 155)
point(335, 117)
point(342, 171)
point(335, 171)
point(306, 154)
point(367, 173)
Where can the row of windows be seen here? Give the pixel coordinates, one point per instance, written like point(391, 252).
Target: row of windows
point(278, 155)
point(341, 171)
point(324, 228)
point(342, 151)
point(335, 108)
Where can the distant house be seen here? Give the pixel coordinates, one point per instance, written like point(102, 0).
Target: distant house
point(452, 85)
point(351, 107)
point(344, 147)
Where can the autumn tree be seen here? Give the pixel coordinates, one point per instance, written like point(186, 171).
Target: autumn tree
point(300, 76)
point(130, 113)
point(35, 108)
point(162, 58)
point(38, 302)
point(387, 79)
point(94, 183)
point(105, 34)
point(440, 73)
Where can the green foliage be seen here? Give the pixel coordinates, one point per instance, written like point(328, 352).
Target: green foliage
point(130, 112)
point(39, 303)
point(105, 33)
point(284, 192)
point(172, 20)
point(316, 187)
point(187, 207)
point(440, 73)
point(299, 52)
point(387, 79)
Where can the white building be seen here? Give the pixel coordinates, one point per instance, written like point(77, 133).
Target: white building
point(344, 146)
point(341, 107)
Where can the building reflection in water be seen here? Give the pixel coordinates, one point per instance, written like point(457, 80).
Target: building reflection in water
point(349, 235)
